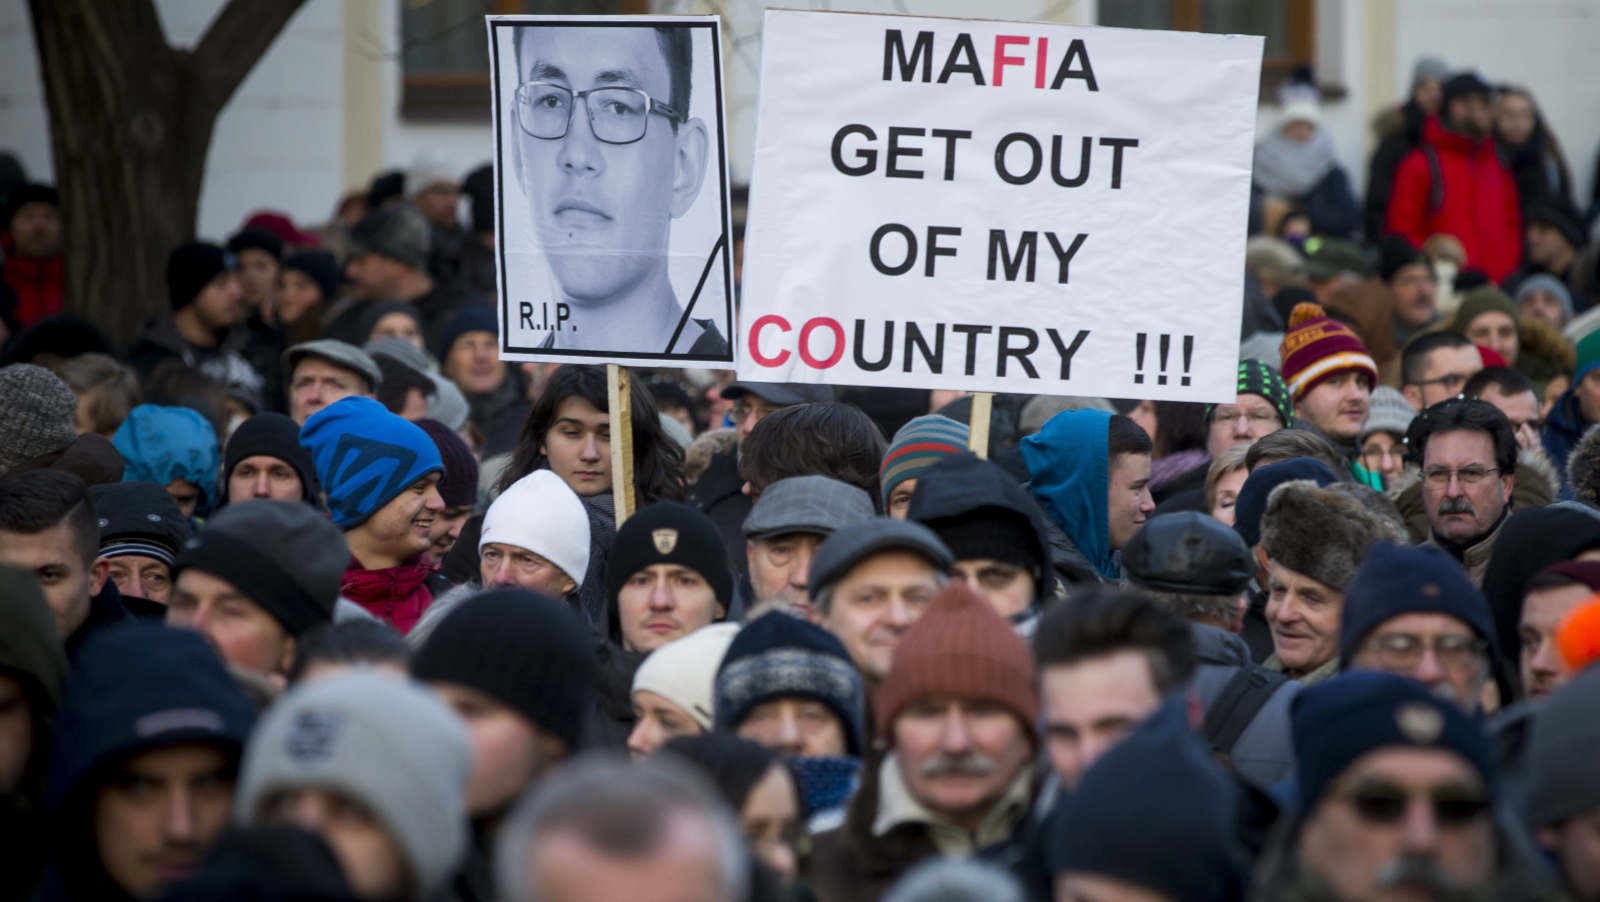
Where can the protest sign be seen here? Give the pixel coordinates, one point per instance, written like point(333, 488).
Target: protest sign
point(611, 190)
point(998, 206)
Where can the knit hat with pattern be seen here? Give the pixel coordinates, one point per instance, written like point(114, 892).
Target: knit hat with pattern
point(1318, 347)
point(778, 656)
point(1257, 378)
point(37, 409)
point(960, 647)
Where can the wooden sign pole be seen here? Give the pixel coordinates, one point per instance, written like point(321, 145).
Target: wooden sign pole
point(978, 424)
point(620, 402)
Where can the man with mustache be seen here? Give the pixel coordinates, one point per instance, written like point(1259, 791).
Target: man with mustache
point(1331, 375)
point(1468, 452)
point(608, 155)
point(956, 717)
point(1396, 793)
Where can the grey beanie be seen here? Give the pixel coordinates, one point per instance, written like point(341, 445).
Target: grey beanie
point(38, 411)
point(1549, 285)
point(1563, 781)
point(1388, 412)
point(399, 234)
point(388, 744)
point(284, 555)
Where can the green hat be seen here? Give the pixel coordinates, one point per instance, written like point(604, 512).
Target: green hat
point(1481, 300)
point(1588, 356)
point(1332, 256)
point(1257, 378)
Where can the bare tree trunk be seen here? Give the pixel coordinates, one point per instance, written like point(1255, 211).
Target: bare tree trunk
point(130, 127)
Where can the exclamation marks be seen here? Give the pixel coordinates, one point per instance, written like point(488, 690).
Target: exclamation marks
point(1141, 341)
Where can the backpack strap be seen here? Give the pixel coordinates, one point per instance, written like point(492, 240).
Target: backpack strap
point(1435, 180)
point(1241, 699)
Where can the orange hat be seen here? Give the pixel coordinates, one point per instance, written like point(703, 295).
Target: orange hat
point(1578, 636)
point(960, 647)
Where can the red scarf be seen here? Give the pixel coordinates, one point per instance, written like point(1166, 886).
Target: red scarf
point(397, 595)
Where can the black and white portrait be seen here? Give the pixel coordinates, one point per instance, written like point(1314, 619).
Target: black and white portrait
point(612, 190)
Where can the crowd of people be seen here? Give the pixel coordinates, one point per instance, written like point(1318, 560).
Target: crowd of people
point(306, 595)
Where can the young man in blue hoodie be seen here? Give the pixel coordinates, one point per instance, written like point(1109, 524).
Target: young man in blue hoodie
point(1091, 472)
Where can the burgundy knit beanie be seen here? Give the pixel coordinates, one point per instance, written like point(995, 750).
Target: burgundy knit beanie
point(960, 647)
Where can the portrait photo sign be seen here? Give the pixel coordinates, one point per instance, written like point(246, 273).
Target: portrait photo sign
point(611, 190)
point(998, 206)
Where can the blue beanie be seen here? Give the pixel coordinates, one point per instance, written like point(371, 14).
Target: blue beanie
point(1154, 811)
point(1335, 722)
point(140, 686)
point(1419, 579)
point(1251, 504)
point(365, 456)
point(467, 319)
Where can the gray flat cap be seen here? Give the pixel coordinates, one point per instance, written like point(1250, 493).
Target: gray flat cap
point(847, 547)
point(337, 353)
point(810, 504)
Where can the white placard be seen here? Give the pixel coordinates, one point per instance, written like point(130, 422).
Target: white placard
point(998, 206)
point(611, 190)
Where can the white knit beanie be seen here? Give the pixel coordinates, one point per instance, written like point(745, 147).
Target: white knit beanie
point(540, 513)
point(684, 671)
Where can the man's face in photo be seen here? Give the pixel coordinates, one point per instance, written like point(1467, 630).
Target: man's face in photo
point(602, 211)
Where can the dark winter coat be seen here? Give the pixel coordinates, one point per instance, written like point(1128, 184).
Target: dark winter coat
point(719, 494)
point(1264, 752)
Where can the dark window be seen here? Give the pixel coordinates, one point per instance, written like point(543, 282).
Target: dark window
point(444, 50)
point(1288, 25)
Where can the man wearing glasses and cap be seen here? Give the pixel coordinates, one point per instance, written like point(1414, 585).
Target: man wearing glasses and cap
point(608, 156)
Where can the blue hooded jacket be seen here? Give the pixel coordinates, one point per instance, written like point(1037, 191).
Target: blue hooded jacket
point(1069, 463)
point(161, 444)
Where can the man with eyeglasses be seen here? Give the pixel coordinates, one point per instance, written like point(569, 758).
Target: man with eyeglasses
point(1395, 791)
point(608, 156)
point(1413, 612)
point(1262, 407)
point(1469, 459)
point(1435, 367)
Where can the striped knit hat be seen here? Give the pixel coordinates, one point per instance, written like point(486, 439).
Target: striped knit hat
point(918, 445)
point(960, 648)
point(1318, 347)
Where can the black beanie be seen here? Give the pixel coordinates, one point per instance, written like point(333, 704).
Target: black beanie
point(272, 435)
point(257, 239)
point(1395, 252)
point(190, 267)
point(528, 652)
point(459, 484)
point(322, 269)
point(996, 533)
point(287, 558)
point(669, 533)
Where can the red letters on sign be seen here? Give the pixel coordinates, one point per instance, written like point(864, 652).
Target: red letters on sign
point(1001, 59)
point(771, 319)
point(813, 324)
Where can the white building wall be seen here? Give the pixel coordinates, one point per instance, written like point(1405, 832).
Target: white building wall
point(281, 142)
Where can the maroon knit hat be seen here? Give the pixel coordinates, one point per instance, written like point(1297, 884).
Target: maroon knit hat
point(1317, 347)
point(458, 486)
point(960, 647)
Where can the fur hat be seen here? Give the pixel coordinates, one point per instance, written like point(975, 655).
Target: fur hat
point(1318, 532)
point(1583, 468)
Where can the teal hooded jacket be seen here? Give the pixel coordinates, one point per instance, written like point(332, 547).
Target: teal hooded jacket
point(1069, 467)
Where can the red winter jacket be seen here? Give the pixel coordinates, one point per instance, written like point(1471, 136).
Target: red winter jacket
point(1478, 203)
point(397, 595)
